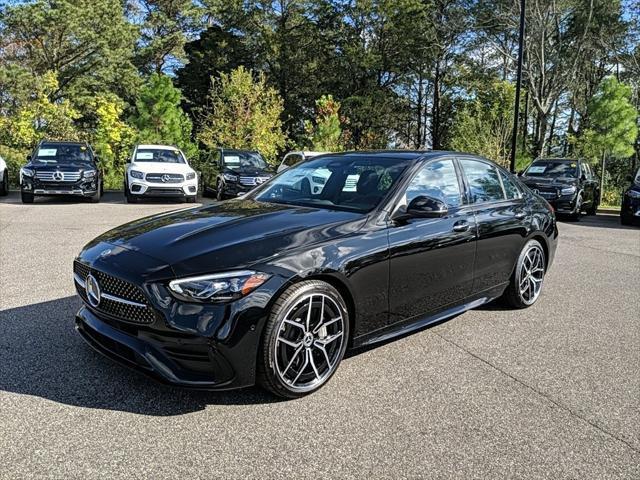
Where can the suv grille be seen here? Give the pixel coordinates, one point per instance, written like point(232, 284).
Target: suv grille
point(66, 176)
point(120, 299)
point(164, 177)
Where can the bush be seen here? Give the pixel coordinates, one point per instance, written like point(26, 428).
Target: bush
point(15, 159)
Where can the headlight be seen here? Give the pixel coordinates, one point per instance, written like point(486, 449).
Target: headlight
point(229, 177)
point(220, 287)
point(568, 190)
point(136, 174)
point(191, 176)
point(633, 194)
point(89, 173)
point(26, 172)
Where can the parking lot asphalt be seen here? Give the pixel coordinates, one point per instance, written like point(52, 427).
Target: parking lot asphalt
point(548, 392)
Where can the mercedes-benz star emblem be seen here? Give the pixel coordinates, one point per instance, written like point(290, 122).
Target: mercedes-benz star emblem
point(93, 290)
point(58, 176)
point(106, 252)
point(165, 178)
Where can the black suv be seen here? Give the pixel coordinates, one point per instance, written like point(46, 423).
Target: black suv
point(231, 173)
point(568, 185)
point(630, 209)
point(61, 168)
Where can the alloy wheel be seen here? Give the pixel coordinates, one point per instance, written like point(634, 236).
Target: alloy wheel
point(309, 342)
point(531, 274)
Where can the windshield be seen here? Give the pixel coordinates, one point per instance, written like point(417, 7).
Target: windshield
point(62, 153)
point(552, 168)
point(161, 155)
point(341, 183)
point(243, 160)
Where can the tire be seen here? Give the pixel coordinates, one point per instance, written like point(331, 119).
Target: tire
point(130, 198)
point(626, 219)
point(532, 254)
point(95, 198)
point(4, 186)
point(191, 199)
point(219, 191)
point(593, 208)
point(575, 216)
point(295, 360)
point(26, 197)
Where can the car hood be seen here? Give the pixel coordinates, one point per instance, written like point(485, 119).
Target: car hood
point(249, 171)
point(551, 182)
point(161, 167)
point(229, 235)
point(63, 167)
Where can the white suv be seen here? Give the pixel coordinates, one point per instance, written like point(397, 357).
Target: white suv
point(159, 171)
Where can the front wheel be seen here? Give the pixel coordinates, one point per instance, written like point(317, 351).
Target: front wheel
point(95, 198)
point(26, 197)
point(626, 219)
point(527, 279)
point(219, 191)
point(575, 216)
point(304, 340)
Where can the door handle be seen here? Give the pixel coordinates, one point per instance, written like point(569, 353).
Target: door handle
point(461, 226)
point(520, 215)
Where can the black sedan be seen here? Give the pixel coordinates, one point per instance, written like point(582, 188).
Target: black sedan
point(630, 209)
point(273, 288)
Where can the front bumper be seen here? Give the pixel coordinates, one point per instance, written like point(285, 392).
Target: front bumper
point(83, 187)
point(232, 189)
point(199, 346)
point(144, 189)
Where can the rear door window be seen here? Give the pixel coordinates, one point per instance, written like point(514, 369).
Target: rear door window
point(484, 182)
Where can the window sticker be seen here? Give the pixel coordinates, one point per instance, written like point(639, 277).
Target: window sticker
point(537, 169)
point(47, 152)
point(144, 155)
point(232, 159)
point(573, 165)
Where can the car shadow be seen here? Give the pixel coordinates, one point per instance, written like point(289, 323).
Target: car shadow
point(601, 220)
point(42, 355)
point(111, 197)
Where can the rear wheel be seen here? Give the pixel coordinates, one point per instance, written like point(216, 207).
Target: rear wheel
point(304, 340)
point(4, 186)
point(26, 197)
point(527, 279)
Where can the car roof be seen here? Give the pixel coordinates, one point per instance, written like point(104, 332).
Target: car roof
point(308, 153)
point(62, 142)
point(159, 147)
point(238, 150)
point(549, 159)
point(396, 154)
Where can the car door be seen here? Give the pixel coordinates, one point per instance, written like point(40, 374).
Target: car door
point(431, 259)
point(589, 185)
point(501, 216)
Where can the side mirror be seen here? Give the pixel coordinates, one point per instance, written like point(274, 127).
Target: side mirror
point(629, 178)
point(519, 173)
point(583, 177)
point(427, 207)
point(28, 158)
point(96, 158)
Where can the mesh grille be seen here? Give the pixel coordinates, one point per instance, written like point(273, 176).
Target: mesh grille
point(118, 288)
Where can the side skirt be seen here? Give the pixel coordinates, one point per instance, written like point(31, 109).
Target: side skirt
point(416, 323)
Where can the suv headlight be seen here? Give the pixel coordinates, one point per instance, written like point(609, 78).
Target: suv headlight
point(191, 175)
point(230, 177)
point(219, 287)
point(89, 173)
point(568, 190)
point(633, 194)
point(26, 172)
point(136, 174)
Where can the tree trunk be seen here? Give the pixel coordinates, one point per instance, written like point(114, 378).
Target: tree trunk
point(418, 140)
point(604, 157)
point(435, 113)
point(525, 122)
point(553, 127)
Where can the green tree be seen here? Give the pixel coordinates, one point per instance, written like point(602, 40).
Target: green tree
point(612, 129)
point(112, 138)
point(159, 117)
point(165, 28)
point(243, 112)
point(484, 124)
point(87, 44)
point(325, 133)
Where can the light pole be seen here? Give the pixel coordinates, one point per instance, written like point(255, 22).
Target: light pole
point(516, 114)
